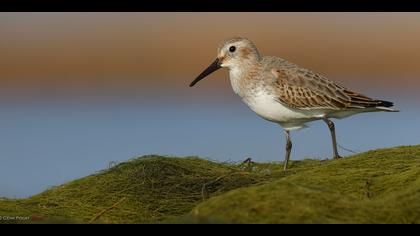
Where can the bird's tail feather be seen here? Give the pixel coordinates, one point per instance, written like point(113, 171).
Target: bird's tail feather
point(362, 101)
point(386, 106)
point(387, 109)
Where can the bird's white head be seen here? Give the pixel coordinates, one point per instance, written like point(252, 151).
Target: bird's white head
point(233, 53)
point(237, 52)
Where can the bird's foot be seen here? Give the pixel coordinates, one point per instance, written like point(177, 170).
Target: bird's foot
point(337, 157)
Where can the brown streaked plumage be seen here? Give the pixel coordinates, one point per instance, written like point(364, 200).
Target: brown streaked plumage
point(284, 93)
point(304, 89)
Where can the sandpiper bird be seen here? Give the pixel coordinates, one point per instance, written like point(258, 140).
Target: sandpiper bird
point(282, 92)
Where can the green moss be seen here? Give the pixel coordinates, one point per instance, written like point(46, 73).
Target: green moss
point(381, 186)
point(147, 189)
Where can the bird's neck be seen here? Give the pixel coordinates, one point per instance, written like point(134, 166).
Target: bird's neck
point(239, 77)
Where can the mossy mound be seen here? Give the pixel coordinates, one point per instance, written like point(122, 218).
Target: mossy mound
point(381, 186)
point(145, 190)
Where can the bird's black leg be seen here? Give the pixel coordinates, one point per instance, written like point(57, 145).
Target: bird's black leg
point(334, 141)
point(288, 149)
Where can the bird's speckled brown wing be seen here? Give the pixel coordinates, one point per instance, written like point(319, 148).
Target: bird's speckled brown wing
point(303, 89)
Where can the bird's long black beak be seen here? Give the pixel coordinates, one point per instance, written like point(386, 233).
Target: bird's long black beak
point(212, 68)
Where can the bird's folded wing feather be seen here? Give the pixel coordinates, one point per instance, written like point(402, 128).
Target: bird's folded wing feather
point(303, 89)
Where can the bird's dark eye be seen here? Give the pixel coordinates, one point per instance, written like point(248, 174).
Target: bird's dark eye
point(232, 48)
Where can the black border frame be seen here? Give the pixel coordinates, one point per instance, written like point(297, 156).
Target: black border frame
point(210, 5)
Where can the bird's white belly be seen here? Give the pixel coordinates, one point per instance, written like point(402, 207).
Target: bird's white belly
point(267, 107)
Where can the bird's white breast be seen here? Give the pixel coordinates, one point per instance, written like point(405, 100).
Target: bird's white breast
point(266, 106)
point(235, 76)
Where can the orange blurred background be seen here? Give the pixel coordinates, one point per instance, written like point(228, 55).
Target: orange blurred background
point(118, 50)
